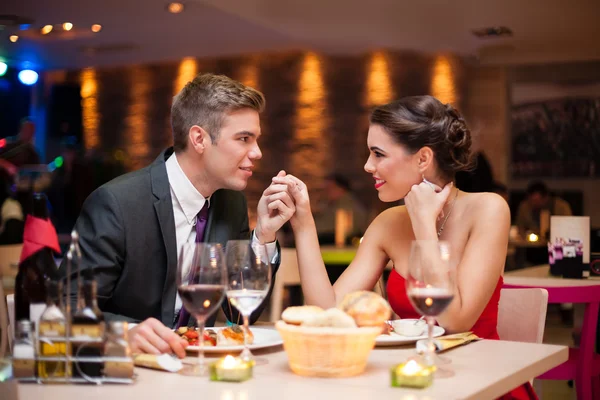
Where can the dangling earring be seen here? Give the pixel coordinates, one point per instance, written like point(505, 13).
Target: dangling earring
point(427, 182)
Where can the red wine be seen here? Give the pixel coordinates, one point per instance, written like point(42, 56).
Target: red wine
point(201, 300)
point(430, 301)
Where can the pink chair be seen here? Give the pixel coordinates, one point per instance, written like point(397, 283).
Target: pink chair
point(522, 314)
point(583, 364)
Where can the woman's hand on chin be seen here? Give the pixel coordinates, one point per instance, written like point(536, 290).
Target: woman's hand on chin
point(424, 205)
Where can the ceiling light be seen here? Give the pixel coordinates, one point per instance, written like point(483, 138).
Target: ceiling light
point(175, 8)
point(13, 38)
point(494, 31)
point(67, 26)
point(46, 29)
point(3, 68)
point(28, 77)
point(96, 28)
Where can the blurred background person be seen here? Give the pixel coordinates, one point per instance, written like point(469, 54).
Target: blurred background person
point(339, 196)
point(539, 199)
point(11, 212)
point(20, 150)
point(479, 179)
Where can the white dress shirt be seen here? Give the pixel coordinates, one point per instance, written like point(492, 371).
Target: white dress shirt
point(187, 203)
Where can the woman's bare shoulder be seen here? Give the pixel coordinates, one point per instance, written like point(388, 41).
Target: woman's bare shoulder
point(391, 215)
point(487, 206)
point(390, 220)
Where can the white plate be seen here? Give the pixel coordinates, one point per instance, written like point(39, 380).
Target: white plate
point(394, 339)
point(262, 338)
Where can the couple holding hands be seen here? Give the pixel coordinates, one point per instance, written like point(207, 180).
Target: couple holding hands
point(132, 228)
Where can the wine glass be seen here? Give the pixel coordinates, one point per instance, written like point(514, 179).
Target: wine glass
point(249, 275)
point(430, 287)
point(201, 284)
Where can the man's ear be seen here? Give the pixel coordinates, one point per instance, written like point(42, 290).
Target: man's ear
point(199, 139)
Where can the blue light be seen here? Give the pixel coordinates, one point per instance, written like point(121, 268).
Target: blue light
point(3, 68)
point(28, 77)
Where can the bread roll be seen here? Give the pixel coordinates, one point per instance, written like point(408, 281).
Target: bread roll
point(367, 308)
point(333, 317)
point(297, 315)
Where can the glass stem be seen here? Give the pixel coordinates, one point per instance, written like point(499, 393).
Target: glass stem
point(246, 354)
point(430, 346)
point(200, 346)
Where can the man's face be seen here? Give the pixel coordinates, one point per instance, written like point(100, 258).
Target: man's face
point(229, 160)
point(538, 200)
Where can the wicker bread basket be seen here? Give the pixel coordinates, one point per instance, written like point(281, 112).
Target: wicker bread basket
point(327, 352)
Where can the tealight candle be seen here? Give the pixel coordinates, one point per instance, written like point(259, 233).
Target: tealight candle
point(231, 369)
point(412, 374)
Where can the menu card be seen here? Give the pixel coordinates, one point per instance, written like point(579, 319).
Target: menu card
point(569, 246)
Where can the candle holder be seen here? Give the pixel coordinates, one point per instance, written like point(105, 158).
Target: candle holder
point(412, 374)
point(231, 369)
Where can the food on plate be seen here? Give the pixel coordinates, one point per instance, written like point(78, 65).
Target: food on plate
point(233, 336)
point(367, 308)
point(333, 317)
point(192, 336)
point(298, 314)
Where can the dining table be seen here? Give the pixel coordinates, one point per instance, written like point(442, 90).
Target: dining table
point(484, 369)
point(583, 364)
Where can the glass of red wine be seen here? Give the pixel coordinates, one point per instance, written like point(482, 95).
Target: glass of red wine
point(201, 284)
point(249, 279)
point(430, 286)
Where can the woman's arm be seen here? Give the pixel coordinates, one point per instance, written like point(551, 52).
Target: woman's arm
point(316, 286)
point(481, 265)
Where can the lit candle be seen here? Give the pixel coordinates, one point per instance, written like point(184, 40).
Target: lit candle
point(533, 237)
point(412, 374)
point(231, 369)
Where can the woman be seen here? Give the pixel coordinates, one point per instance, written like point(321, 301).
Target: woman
point(417, 144)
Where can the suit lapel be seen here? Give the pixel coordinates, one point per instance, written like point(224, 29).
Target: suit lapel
point(163, 207)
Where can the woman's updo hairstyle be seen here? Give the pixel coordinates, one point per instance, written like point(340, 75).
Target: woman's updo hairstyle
point(419, 121)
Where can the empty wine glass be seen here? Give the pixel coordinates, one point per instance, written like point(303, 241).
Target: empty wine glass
point(249, 275)
point(201, 284)
point(430, 286)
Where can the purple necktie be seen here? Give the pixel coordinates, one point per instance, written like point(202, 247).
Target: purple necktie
point(201, 219)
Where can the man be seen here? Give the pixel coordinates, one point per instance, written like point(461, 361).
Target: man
point(539, 199)
point(132, 228)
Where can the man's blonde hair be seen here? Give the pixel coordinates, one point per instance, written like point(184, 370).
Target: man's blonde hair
point(204, 101)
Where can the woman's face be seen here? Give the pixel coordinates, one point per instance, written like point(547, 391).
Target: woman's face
point(392, 166)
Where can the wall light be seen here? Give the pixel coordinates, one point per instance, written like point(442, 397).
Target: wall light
point(13, 38)
point(175, 8)
point(96, 28)
point(67, 26)
point(47, 29)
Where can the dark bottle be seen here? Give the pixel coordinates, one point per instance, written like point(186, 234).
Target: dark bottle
point(87, 330)
point(36, 269)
